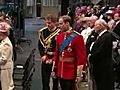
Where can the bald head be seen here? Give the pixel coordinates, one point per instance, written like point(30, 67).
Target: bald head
point(102, 22)
point(94, 18)
point(100, 25)
point(92, 21)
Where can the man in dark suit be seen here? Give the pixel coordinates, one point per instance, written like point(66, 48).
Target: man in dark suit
point(116, 38)
point(101, 57)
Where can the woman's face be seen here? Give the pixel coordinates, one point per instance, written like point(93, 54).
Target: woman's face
point(84, 24)
point(92, 10)
point(116, 17)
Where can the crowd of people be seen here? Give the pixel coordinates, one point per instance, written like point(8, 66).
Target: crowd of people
point(81, 44)
point(86, 21)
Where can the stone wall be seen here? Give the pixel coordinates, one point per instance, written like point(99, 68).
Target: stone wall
point(49, 10)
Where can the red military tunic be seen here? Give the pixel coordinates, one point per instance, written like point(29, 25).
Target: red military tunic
point(75, 52)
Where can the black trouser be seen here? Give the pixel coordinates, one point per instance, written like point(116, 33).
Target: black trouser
point(67, 84)
point(55, 84)
point(46, 72)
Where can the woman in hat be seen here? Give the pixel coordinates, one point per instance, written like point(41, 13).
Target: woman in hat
point(6, 54)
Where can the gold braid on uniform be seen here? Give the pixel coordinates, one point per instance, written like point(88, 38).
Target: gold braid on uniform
point(41, 36)
point(52, 35)
point(45, 41)
point(77, 32)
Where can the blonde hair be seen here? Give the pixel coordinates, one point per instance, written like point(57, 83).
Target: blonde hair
point(66, 18)
point(51, 17)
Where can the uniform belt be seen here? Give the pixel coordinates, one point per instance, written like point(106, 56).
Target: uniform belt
point(66, 59)
point(50, 53)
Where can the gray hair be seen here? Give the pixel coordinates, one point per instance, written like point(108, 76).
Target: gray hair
point(102, 22)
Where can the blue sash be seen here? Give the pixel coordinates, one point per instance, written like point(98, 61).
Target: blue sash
point(67, 41)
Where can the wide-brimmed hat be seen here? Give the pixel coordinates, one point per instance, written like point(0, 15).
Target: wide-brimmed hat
point(109, 12)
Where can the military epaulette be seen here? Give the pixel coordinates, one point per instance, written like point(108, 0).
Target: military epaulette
point(77, 32)
point(39, 31)
point(58, 29)
point(43, 29)
point(41, 36)
point(52, 34)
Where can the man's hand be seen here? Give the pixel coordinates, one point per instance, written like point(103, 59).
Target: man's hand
point(49, 61)
point(78, 80)
point(53, 75)
point(79, 70)
point(44, 58)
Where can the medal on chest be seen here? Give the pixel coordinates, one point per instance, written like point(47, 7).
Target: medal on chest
point(69, 48)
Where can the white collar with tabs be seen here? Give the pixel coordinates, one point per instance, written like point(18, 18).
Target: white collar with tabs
point(102, 32)
point(117, 22)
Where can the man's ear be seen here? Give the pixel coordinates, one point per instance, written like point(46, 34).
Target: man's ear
point(67, 23)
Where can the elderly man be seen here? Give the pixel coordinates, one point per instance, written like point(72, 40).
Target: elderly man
point(6, 53)
point(101, 57)
point(116, 34)
point(92, 37)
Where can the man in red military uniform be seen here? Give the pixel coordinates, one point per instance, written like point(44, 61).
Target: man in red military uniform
point(70, 59)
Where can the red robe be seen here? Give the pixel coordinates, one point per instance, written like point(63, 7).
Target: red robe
point(76, 49)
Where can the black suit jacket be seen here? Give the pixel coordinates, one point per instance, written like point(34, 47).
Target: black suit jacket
point(101, 59)
point(117, 29)
point(91, 38)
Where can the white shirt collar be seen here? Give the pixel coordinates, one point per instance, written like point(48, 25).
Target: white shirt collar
point(102, 32)
point(117, 22)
